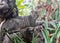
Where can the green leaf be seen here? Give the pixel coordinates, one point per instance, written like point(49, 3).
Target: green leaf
point(55, 34)
point(46, 37)
point(21, 7)
point(19, 2)
point(53, 24)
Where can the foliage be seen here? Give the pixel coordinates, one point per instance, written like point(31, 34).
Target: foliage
point(24, 7)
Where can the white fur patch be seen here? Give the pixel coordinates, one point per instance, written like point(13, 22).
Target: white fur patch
point(1, 24)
